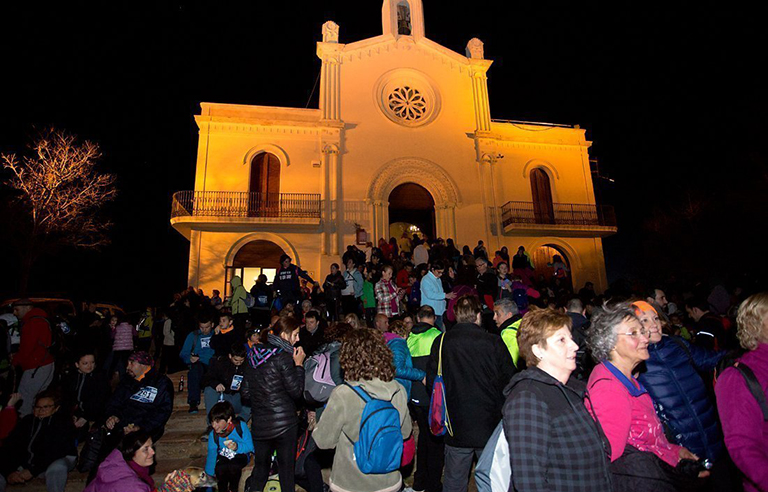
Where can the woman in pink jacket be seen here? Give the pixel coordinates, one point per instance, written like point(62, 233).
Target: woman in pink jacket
point(642, 459)
point(743, 415)
point(123, 342)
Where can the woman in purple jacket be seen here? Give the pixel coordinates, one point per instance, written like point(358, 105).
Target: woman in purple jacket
point(743, 416)
point(127, 469)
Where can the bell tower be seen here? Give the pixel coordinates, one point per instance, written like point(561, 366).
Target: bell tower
point(403, 18)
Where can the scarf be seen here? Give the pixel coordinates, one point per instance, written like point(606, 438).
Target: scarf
point(228, 430)
point(280, 343)
point(633, 390)
point(142, 472)
point(259, 354)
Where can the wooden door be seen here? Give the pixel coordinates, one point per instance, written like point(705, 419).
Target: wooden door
point(543, 208)
point(264, 186)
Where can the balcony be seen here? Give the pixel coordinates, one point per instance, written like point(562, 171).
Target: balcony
point(242, 211)
point(563, 219)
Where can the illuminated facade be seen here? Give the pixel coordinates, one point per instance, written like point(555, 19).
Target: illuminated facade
point(398, 115)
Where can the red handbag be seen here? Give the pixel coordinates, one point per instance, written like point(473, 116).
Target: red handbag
point(409, 450)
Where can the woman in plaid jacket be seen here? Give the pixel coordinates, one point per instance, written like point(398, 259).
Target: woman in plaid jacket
point(553, 442)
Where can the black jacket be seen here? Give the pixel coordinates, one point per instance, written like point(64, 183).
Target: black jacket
point(221, 370)
point(147, 403)
point(584, 361)
point(273, 384)
point(222, 343)
point(419, 394)
point(36, 443)
point(554, 444)
point(310, 342)
point(476, 368)
point(86, 395)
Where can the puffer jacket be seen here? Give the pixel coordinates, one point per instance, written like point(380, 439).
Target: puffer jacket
point(273, 384)
point(552, 435)
point(680, 396)
point(405, 373)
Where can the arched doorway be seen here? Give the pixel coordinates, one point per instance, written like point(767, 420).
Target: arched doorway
point(250, 261)
point(545, 260)
point(412, 205)
point(541, 191)
point(264, 186)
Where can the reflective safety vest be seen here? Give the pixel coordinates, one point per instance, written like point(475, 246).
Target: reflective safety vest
point(509, 336)
point(420, 344)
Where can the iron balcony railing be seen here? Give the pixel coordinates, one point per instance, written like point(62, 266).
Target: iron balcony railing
point(245, 204)
point(577, 214)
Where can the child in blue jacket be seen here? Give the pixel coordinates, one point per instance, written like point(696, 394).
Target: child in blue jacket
point(229, 447)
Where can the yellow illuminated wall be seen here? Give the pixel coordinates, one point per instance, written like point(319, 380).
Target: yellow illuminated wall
point(356, 148)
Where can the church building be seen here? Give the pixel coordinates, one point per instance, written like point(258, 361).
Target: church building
point(402, 141)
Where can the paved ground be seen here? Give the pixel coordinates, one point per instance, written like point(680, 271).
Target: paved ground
point(180, 447)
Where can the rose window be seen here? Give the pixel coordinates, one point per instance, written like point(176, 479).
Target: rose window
point(407, 103)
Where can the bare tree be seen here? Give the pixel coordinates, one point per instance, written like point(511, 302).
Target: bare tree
point(59, 194)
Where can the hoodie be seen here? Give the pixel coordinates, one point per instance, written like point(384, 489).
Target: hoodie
point(237, 301)
point(339, 427)
point(552, 435)
point(115, 475)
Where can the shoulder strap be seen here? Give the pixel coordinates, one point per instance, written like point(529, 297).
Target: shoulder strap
point(753, 385)
point(440, 356)
point(360, 392)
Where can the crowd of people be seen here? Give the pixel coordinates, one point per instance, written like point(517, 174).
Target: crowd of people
point(412, 349)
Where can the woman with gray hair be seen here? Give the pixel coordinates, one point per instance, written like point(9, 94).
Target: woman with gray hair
point(642, 459)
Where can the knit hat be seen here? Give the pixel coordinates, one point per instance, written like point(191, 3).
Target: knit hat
point(141, 357)
point(644, 307)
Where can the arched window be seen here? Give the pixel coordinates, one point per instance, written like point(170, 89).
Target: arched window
point(404, 18)
point(264, 186)
point(543, 209)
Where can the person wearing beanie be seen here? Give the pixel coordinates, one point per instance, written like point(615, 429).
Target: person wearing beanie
point(142, 400)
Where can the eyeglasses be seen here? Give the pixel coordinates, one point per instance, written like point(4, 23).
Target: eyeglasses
point(43, 407)
point(637, 333)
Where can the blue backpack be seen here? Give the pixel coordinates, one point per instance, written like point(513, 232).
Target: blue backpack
point(379, 449)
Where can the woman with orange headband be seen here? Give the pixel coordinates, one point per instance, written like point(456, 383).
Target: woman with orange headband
point(680, 396)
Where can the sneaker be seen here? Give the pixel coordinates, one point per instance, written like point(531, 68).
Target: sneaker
point(193, 408)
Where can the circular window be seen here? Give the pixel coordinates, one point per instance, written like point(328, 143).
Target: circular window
point(407, 103)
point(407, 97)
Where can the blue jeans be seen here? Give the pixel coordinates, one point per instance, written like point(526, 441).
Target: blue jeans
point(212, 397)
point(194, 382)
point(439, 323)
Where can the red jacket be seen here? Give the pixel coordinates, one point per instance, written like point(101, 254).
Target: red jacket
point(35, 341)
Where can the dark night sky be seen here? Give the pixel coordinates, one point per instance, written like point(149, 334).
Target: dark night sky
point(672, 96)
